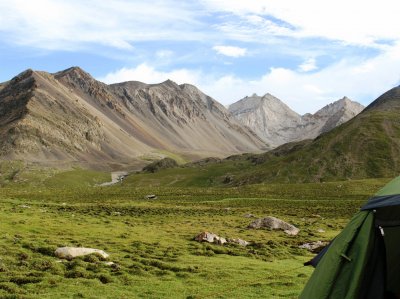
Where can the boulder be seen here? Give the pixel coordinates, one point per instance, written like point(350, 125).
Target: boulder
point(314, 246)
point(72, 252)
point(274, 223)
point(210, 238)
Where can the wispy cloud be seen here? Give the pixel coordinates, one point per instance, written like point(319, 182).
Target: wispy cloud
point(358, 22)
point(230, 51)
point(74, 24)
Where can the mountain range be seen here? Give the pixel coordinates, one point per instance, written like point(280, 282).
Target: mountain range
point(277, 124)
point(69, 116)
point(367, 146)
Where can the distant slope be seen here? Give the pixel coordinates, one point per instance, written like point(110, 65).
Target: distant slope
point(70, 116)
point(277, 124)
point(367, 146)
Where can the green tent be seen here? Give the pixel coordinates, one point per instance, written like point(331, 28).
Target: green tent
point(363, 261)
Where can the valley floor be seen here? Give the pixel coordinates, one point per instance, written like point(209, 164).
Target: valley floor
point(151, 241)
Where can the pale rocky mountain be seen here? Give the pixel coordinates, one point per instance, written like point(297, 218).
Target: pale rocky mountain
point(69, 116)
point(268, 117)
point(329, 117)
point(277, 124)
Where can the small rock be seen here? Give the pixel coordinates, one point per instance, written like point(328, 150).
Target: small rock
point(314, 246)
point(320, 230)
point(239, 242)
point(274, 223)
point(113, 265)
point(151, 196)
point(210, 238)
point(25, 206)
point(72, 252)
point(220, 240)
point(109, 263)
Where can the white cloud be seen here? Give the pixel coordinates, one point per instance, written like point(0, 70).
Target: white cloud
point(361, 80)
point(308, 65)
point(61, 24)
point(230, 51)
point(361, 22)
point(148, 74)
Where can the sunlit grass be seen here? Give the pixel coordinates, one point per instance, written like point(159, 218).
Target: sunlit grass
point(151, 241)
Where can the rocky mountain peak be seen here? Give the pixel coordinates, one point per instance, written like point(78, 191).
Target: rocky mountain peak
point(169, 83)
point(277, 124)
point(344, 105)
point(74, 72)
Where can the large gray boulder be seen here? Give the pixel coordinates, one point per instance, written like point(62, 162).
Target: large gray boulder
point(275, 224)
point(72, 252)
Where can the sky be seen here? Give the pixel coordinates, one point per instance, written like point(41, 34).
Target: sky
point(307, 53)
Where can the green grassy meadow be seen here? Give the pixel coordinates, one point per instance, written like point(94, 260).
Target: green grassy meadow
point(151, 241)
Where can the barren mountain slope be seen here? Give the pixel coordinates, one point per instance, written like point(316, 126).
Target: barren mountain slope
point(69, 116)
point(185, 117)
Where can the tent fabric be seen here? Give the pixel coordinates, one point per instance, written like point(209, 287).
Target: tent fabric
point(362, 262)
point(381, 201)
point(392, 188)
point(340, 271)
point(314, 262)
point(389, 195)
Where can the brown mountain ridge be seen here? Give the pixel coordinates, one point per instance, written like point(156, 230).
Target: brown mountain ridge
point(69, 116)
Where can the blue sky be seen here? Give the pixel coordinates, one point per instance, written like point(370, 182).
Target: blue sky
point(307, 53)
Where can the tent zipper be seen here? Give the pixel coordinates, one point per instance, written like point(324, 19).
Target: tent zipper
point(382, 231)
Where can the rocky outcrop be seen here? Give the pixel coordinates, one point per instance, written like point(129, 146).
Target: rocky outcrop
point(274, 224)
point(277, 124)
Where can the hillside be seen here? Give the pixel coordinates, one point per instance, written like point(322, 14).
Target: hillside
point(71, 117)
point(277, 124)
point(367, 146)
